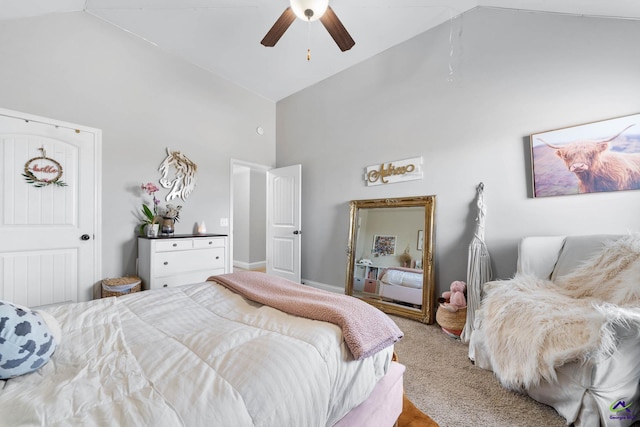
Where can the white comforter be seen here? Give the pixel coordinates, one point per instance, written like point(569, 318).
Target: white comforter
point(198, 355)
point(403, 277)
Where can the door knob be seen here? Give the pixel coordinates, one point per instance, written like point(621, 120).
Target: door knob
point(297, 232)
point(85, 237)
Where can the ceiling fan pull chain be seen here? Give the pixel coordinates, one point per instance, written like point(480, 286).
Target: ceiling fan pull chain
point(309, 41)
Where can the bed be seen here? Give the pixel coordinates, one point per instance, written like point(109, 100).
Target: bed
point(202, 354)
point(402, 284)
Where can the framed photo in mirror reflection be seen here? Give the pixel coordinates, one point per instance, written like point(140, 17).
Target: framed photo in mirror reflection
point(384, 245)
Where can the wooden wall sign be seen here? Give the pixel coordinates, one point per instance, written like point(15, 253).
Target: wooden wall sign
point(392, 172)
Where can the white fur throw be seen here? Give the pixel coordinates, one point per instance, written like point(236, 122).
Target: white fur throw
point(532, 325)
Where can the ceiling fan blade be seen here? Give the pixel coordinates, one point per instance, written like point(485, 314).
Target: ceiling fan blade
point(278, 29)
point(337, 30)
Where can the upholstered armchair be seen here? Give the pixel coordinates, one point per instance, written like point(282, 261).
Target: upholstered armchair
point(565, 329)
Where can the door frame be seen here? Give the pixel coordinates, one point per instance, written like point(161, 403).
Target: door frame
point(97, 193)
point(252, 166)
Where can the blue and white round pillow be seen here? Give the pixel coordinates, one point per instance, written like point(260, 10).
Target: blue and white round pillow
point(26, 341)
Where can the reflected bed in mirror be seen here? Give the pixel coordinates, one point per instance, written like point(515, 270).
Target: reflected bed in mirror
point(390, 262)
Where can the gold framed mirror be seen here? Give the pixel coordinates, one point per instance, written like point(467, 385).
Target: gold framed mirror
point(390, 255)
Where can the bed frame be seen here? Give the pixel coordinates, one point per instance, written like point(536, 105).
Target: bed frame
point(401, 293)
point(384, 405)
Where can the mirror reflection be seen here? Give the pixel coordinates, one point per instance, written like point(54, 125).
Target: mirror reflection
point(390, 255)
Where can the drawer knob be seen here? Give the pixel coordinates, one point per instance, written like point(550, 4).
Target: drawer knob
point(166, 263)
point(210, 242)
point(165, 285)
point(175, 244)
point(217, 257)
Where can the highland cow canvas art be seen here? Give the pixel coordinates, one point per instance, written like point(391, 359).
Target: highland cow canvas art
point(594, 157)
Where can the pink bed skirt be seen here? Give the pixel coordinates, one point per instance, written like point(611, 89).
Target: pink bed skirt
point(383, 407)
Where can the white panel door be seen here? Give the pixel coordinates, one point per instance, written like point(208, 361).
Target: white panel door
point(49, 250)
point(283, 222)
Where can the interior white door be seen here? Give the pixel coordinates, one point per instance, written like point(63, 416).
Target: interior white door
point(284, 232)
point(49, 210)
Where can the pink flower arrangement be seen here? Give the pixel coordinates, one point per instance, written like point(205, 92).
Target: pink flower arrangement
point(149, 214)
point(171, 211)
point(151, 189)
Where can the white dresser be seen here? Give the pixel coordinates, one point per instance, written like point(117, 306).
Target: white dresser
point(180, 259)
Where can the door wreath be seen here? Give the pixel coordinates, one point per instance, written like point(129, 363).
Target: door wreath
point(42, 171)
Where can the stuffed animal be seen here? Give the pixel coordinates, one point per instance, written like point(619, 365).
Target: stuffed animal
point(452, 309)
point(454, 298)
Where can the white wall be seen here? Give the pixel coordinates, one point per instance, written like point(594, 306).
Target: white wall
point(515, 73)
point(76, 68)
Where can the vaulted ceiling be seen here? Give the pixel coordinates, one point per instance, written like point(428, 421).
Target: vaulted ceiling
point(223, 36)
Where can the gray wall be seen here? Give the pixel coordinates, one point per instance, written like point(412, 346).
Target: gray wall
point(241, 211)
point(76, 68)
point(249, 217)
point(514, 73)
point(258, 217)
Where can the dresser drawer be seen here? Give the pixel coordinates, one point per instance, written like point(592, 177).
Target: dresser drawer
point(184, 279)
point(168, 263)
point(208, 243)
point(174, 245)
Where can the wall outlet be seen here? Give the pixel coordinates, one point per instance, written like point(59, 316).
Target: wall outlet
point(224, 222)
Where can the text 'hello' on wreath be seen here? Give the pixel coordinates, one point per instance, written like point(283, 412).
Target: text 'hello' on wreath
point(42, 171)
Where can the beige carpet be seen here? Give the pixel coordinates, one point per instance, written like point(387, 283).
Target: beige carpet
point(443, 383)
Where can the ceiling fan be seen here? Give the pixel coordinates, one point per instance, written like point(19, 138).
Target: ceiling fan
point(310, 10)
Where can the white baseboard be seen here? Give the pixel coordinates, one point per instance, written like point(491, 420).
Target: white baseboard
point(323, 286)
point(250, 265)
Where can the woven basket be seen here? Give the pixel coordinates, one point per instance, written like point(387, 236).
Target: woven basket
point(129, 285)
point(451, 323)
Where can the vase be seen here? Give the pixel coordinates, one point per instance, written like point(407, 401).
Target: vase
point(167, 226)
point(151, 230)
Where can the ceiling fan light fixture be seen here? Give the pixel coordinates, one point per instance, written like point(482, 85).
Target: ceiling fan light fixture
point(309, 10)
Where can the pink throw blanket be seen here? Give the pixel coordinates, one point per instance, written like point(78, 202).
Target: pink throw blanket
point(366, 329)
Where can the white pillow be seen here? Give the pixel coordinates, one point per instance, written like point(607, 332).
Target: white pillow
point(538, 255)
point(579, 249)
